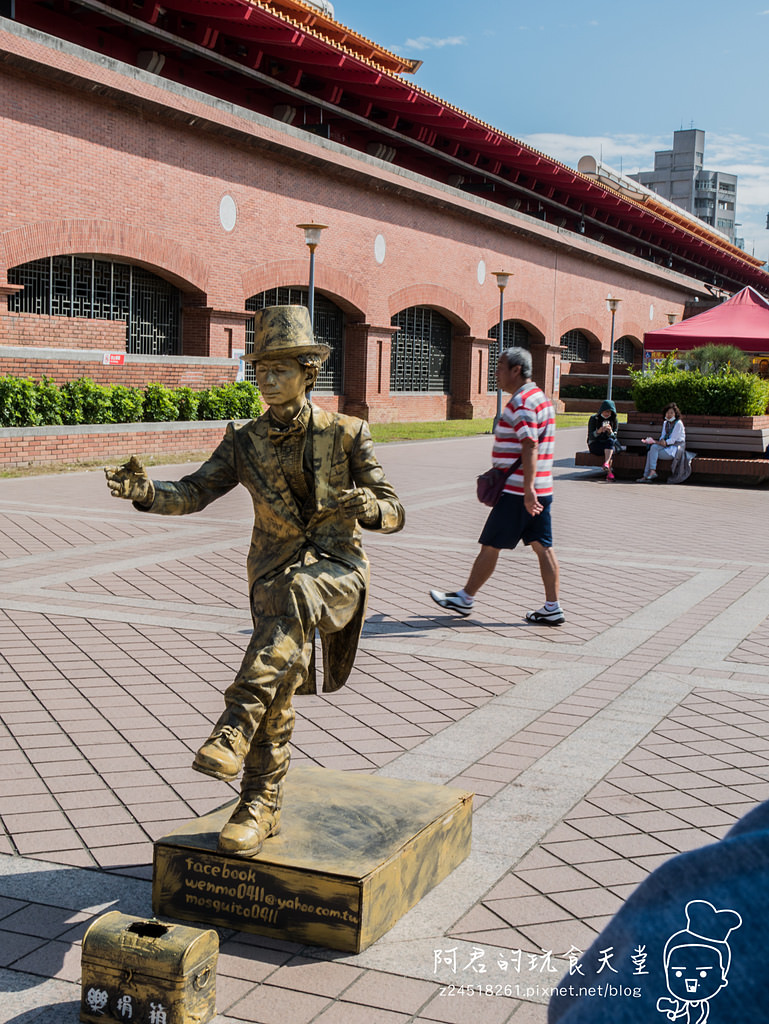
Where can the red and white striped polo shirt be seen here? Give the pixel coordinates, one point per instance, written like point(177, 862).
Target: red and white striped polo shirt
point(528, 414)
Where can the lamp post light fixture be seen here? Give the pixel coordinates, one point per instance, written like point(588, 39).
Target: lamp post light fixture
point(502, 276)
point(612, 305)
point(311, 239)
point(671, 318)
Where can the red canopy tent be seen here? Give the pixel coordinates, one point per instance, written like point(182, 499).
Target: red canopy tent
point(742, 320)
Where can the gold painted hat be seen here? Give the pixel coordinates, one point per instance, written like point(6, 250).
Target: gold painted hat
point(284, 331)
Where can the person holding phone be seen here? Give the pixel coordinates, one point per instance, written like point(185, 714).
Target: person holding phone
point(602, 435)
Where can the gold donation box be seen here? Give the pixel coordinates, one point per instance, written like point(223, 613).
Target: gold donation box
point(354, 853)
point(144, 972)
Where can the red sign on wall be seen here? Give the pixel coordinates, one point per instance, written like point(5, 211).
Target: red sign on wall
point(113, 358)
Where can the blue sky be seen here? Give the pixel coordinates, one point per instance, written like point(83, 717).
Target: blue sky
point(607, 79)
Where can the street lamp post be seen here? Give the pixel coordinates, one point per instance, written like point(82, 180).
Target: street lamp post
point(612, 305)
point(502, 277)
point(311, 239)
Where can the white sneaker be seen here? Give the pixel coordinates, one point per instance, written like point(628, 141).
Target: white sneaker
point(547, 618)
point(452, 601)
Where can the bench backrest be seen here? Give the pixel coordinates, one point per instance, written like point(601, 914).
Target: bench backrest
point(723, 439)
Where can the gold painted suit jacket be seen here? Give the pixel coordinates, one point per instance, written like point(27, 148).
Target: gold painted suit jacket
point(343, 457)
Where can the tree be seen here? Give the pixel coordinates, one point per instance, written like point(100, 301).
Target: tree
point(710, 359)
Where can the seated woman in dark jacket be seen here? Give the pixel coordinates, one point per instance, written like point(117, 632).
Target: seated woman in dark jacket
point(602, 435)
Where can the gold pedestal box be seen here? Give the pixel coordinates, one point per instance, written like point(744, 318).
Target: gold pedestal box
point(355, 852)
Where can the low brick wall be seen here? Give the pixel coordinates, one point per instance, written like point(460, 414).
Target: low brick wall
point(727, 422)
point(592, 405)
point(28, 446)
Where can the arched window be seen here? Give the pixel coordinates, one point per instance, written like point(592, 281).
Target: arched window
point(82, 286)
point(575, 347)
point(624, 350)
point(420, 355)
point(328, 327)
point(514, 333)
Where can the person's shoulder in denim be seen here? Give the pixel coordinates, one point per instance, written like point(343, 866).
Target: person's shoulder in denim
point(685, 945)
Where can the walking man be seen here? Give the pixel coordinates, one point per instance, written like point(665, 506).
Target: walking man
point(315, 482)
point(524, 440)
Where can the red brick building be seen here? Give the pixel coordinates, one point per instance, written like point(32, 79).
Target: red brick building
point(158, 159)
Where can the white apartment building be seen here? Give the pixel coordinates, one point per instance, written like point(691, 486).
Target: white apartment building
point(679, 176)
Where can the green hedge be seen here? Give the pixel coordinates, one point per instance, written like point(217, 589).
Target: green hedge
point(28, 403)
point(715, 394)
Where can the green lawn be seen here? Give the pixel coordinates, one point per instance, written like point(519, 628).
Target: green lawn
point(383, 432)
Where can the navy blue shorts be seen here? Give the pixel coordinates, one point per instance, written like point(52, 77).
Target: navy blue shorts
point(509, 523)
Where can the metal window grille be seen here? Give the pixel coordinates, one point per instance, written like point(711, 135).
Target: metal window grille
point(624, 350)
point(153, 328)
point(514, 334)
point(575, 347)
point(328, 327)
point(79, 286)
point(420, 354)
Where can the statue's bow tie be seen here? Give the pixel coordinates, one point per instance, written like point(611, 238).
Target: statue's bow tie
point(277, 435)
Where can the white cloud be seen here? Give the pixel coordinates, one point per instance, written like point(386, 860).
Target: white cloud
point(628, 153)
point(433, 43)
point(734, 154)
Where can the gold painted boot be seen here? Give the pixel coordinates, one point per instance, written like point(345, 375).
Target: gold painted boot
point(250, 824)
point(221, 756)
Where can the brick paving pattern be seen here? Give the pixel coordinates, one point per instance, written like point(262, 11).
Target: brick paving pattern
point(595, 751)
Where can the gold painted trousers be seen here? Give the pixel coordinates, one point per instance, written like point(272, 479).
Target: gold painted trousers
point(315, 593)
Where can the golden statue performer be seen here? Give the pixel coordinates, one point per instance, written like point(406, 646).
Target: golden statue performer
point(314, 481)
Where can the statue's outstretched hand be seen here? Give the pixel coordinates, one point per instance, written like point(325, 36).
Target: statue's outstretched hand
point(130, 481)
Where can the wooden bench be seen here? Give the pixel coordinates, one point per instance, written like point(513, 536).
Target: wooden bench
point(730, 469)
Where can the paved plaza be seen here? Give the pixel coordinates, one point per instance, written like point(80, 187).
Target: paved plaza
point(596, 751)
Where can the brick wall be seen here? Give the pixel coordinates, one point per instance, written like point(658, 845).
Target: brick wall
point(62, 332)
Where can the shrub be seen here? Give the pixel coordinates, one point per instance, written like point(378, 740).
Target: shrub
point(188, 403)
point(716, 394)
point(17, 402)
point(84, 401)
point(246, 399)
point(26, 403)
point(48, 402)
point(211, 404)
point(242, 401)
point(160, 404)
point(237, 401)
point(127, 404)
